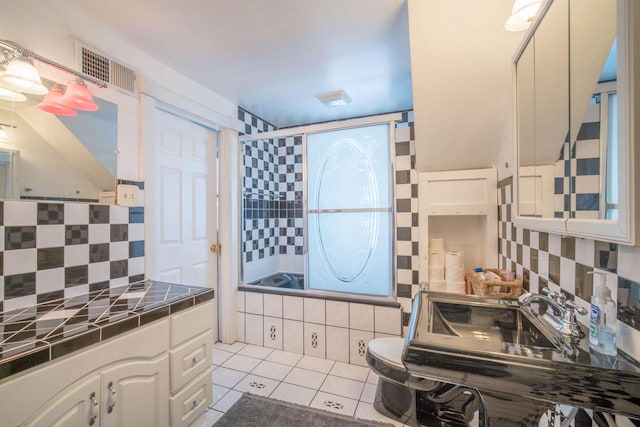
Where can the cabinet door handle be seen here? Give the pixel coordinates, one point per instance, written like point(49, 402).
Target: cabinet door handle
point(194, 361)
point(112, 398)
point(195, 404)
point(93, 408)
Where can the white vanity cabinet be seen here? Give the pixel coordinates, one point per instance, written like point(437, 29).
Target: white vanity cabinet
point(156, 375)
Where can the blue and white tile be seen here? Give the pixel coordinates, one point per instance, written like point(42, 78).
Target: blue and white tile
point(305, 378)
point(218, 392)
point(229, 399)
point(315, 364)
point(368, 393)
point(293, 394)
point(284, 357)
point(353, 372)
point(241, 363)
point(334, 403)
point(227, 377)
point(220, 356)
point(255, 351)
point(342, 387)
point(257, 385)
point(293, 308)
point(272, 370)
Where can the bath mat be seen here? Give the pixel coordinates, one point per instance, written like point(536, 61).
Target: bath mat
point(252, 410)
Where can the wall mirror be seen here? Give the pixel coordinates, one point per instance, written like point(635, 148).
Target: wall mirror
point(571, 128)
point(45, 156)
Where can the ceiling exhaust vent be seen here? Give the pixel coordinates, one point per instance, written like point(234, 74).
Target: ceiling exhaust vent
point(102, 67)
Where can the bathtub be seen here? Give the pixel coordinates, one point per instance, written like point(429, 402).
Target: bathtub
point(281, 280)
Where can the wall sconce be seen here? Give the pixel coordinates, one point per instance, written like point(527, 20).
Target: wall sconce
point(78, 96)
point(22, 76)
point(52, 102)
point(522, 14)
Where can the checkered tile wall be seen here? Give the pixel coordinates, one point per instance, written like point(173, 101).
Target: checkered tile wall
point(259, 231)
point(57, 250)
point(577, 172)
point(564, 263)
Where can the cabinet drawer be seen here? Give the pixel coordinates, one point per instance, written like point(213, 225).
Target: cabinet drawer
point(192, 401)
point(189, 359)
point(189, 323)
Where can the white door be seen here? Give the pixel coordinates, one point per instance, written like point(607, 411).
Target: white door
point(182, 209)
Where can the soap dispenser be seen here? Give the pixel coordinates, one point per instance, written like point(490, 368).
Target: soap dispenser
point(603, 322)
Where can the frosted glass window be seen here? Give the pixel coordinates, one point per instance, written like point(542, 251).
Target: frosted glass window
point(349, 214)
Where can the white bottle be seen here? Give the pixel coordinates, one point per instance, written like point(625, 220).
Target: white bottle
point(603, 322)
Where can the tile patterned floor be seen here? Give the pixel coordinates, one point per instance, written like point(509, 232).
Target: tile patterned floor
point(304, 380)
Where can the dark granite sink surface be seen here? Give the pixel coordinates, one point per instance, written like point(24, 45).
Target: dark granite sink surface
point(37, 334)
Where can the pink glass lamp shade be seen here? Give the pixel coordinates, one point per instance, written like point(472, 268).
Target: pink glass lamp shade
point(22, 76)
point(78, 96)
point(51, 103)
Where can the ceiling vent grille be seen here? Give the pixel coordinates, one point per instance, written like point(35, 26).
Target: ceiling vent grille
point(106, 69)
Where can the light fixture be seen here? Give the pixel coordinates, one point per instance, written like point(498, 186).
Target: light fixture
point(334, 99)
point(10, 95)
point(51, 103)
point(78, 96)
point(522, 14)
point(22, 76)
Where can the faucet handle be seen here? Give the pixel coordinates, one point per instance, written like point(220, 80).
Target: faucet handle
point(551, 294)
point(573, 306)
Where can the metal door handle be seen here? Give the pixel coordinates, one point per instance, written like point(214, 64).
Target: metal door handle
point(93, 408)
point(112, 398)
point(215, 248)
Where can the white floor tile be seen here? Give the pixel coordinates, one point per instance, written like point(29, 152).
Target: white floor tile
point(257, 385)
point(305, 378)
point(372, 378)
point(220, 356)
point(293, 394)
point(218, 392)
point(315, 364)
point(227, 401)
point(272, 370)
point(232, 348)
point(366, 411)
point(284, 357)
point(255, 351)
point(368, 393)
point(241, 363)
point(332, 403)
point(353, 372)
point(209, 418)
point(342, 387)
point(227, 377)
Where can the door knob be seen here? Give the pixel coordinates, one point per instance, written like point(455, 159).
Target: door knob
point(215, 248)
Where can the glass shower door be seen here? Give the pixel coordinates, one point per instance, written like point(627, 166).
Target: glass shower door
point(349, 210)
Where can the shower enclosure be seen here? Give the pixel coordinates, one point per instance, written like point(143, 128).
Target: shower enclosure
point(318, 211)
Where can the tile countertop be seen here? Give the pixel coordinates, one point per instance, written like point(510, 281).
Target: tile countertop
point(46, 331)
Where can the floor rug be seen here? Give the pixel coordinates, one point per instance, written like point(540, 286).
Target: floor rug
point(252, 410)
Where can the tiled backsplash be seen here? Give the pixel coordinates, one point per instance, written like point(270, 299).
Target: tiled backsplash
point(57, 250)
point(564, 262)
point(335, 330)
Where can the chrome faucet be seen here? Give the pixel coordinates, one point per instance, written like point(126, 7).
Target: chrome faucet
point(567, 323)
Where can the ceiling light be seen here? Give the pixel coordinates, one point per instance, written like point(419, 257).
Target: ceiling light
point(22, 76)
point(78, 96)
point(334, 99)
point(51, 103)
point(522, 15)
point(10, 95)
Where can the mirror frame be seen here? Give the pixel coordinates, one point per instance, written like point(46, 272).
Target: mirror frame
point(624, 230)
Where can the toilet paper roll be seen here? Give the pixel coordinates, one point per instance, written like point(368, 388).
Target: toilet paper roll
point(436, 273)
point(454, 274)
point(436, 259)
point(453, 259)
point(456, 287)
point(437, 285)
point(436, 244)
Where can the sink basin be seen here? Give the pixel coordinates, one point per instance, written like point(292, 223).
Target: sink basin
point(498, 323)
point(510, 353)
